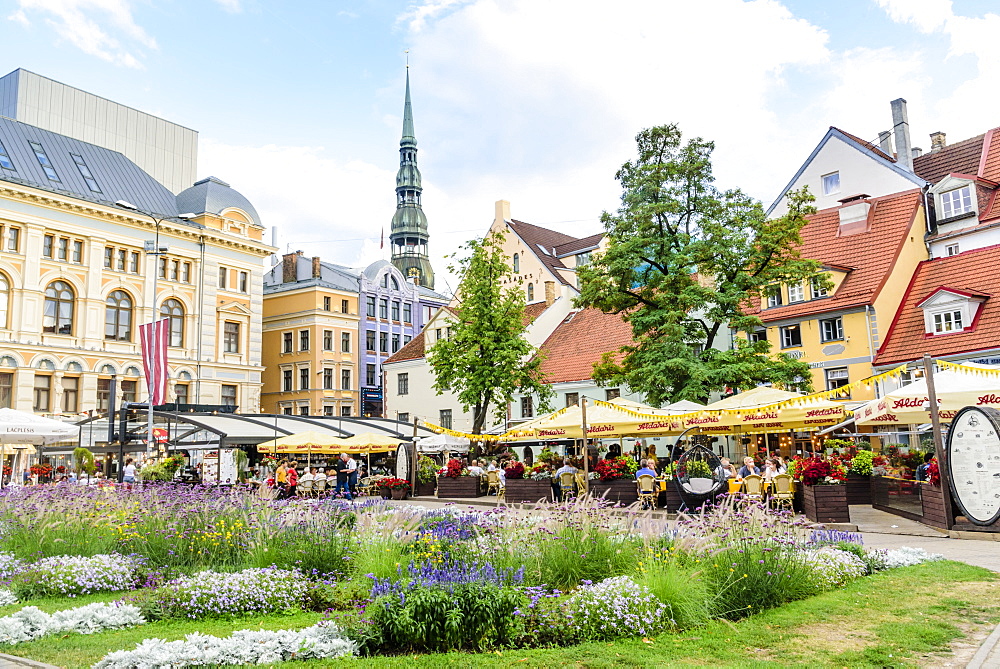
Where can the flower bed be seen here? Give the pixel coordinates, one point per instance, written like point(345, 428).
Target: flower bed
point(72, 575)
point(621, 491)
point(31, 623)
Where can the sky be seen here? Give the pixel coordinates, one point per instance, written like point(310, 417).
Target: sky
point(299, 102)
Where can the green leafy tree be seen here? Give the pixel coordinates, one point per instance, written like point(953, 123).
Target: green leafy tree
point(83, 460)
point(486, 359)
point(684, 263)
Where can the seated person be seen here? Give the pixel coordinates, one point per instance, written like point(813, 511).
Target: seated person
point(566, 468)
point(770, 469)
point(726, 470)
point(644, 470)
point(475, 469)
point(319, 475)
point(308, 475)
point(748, 468)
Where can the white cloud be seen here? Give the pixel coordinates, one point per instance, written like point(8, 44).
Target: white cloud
point(89, 26)
point(927, 15)
point(231, 6)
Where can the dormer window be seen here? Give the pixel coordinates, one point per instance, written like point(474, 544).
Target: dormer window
point(947, 311)
point(774, 296)
point(796, 293)
point(831, 183)
point(956, 202)
point(817, 288)
point(948, 321)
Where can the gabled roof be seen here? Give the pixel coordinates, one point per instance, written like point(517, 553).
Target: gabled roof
point(972, 272)
point(962, 157)
point(533, 311)
point(872, 254)
point(578, 245)
point(865, 148)
point(414, 350)
point(542, 243)
point(580, 341)
point(117, 177)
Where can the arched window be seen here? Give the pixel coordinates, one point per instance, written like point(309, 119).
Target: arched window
point(173, 310)
point(4, 300)
point(531, 292)
point(118, 316)
point(385, 280)
point(517, 264)
point(58, 317)
point(395, 284)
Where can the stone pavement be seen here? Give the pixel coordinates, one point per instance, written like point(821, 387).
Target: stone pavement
point(12, 662)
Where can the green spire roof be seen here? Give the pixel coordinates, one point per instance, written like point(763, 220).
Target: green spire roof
point(408, 136)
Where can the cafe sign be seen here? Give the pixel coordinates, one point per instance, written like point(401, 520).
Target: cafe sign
point(974, 463)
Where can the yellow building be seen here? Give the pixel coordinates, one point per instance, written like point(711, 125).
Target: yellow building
point(76, 280)
point(310, 332)
point(869, 248)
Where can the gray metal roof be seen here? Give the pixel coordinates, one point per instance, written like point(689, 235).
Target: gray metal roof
point(331, 276)
point(117, 177)
point(214, 196)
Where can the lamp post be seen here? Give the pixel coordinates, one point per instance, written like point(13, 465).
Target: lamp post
point(155, 249)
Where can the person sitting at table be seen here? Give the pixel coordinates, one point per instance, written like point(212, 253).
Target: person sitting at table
point(308, 475)
point(770, 469)
point(726, 470)
point(644, 470)
point(748, 468)
point(475, 469)
point(567, 467)
point(780, 462)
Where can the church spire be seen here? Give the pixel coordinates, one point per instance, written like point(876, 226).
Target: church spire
point(408, 234)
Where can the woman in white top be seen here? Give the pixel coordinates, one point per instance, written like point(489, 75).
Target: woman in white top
point(128, 474)
point(770, 469)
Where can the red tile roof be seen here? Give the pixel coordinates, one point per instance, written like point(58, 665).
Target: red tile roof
point(868, 145)
point(963, 157)
point(990, 165)
point(580, 341)
point(972, 272)
point(533, 311)
point(411, 351)
point(871, 254)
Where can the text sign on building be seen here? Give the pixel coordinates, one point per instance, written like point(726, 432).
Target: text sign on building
point(974, 463)
point(371, 394)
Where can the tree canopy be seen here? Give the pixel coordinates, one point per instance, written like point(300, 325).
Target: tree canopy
point(683, 265)
point(486, 360)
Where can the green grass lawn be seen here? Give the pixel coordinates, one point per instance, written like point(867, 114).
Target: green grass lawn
point(896, 618)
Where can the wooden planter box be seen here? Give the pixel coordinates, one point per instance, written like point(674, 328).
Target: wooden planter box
point(859, 489)
point(826, 503)
point(426, 489)
point(673, 496)
point(932, 501)
point(519, 491)
point(617, 490)
point(459, 486)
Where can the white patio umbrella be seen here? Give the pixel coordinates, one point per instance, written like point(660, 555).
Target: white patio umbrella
point(24, 431)
point(909, 405)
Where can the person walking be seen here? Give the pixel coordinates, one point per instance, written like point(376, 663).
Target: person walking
point(128, 474)
point(293, 478)
point(352, 474)
point(281, 478)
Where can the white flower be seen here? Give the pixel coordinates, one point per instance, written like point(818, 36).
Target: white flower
point(906, 556)
point(32, 623)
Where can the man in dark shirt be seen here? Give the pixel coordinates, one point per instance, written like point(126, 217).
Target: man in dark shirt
point(343, 476)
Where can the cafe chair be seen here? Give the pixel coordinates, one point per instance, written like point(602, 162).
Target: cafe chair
point(493, 483)
point(783, 493)
point(319, 487)
point(753, 488)
point(367, 487)
point(567, 485)
point(305, 488)
point(647, 488)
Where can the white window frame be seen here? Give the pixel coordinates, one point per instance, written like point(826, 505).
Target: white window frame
point(830, 183)
point(815, 288)
point(951, 250)
point(948, 320)
point(949, 198)
point(837, 327)
point(784, 330)
point(796, 293)
point(773, 296)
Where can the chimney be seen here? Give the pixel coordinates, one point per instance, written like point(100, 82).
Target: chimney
point(901, 127)
point(316, 268)
point(937, 141)
point(502, 211)
point(885, 142)
point(853, 215)
point(550, 292)
point(274, 236)
point(288, 267)
point(916, 152)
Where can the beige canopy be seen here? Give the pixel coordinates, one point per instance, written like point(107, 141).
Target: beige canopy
point(303, 442)
point(766, 409)
point(909, 405)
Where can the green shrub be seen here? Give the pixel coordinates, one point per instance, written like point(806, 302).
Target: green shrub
point(753, 577)
point(474, 615)
point(575, 555)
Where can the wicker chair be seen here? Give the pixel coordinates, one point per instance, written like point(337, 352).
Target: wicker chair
point(305, 488)
point(319, 487)
point(567, 484)
point(783, 493)
point(646, 485)
point(493, 483)
point(753, 488)
point(367, 487)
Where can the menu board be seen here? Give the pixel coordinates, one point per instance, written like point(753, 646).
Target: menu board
point(974, 463)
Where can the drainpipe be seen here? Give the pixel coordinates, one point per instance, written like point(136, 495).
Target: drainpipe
point(201, 319)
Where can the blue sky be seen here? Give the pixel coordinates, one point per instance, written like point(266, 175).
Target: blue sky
point(298, 103)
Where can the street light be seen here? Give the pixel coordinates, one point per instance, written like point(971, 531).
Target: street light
point(155, 249)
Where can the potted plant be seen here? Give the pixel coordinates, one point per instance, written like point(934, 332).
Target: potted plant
point(824, 495)
point(397, 487)
point(617, 479)
point(426, 476)
point(454, 481)
point(522, 486)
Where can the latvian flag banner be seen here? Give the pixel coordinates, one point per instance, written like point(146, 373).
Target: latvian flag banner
point(153, 337)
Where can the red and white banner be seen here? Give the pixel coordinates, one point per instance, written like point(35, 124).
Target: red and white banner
point(153, 338)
